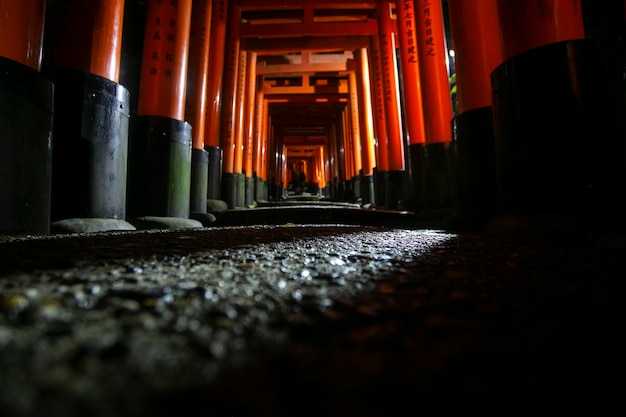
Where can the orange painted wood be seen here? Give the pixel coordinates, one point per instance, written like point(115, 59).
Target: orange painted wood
point(368, 150)
point(259, 134)
point(219, 13)
point(281, 30)
point(21, 31)
point(286, 45)
point(106, 48)
point(411, 79)
point(529, 24)
point(378, 101)
point(86, 36)
point(475, 31)
point(229, 109)
point(349, 141)
point(249, 126)
point(162, 88)
point(432, 48)
point(240, 110)
point(355, 123)
point(390, 86)
point(198, 72)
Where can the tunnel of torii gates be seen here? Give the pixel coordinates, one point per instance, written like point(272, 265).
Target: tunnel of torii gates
point(119, 109)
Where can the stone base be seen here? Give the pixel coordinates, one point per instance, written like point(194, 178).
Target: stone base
point(89, 225)
point(155, 222)
point(205, 218)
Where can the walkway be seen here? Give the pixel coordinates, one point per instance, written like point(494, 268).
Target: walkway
point(308, 320)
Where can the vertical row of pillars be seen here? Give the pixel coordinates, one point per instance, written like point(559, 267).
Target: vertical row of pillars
point(537, 101)
point(538, 133)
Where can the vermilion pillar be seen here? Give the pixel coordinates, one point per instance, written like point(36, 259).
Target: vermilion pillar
point(380, 124)
point(82, 58)
point(555, 121)
point(26, 112)
point(368, 155)
point(94, 31)
point(249, 128)
point(395, 190)
point(240, 128)
point(161, 163)
point(260, 152)
point(355, 116)
point(21, 23)
point(229, 108)
point(432, 56)
point(436, 159)
point(408, 29)
point(530, 24)
point(475, 32)
point(219, 13)
point(162, 91)
point(197, 78)
point(195, 106)
point(411, 80)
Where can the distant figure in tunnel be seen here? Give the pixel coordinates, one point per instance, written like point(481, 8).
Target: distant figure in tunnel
point(301, 182)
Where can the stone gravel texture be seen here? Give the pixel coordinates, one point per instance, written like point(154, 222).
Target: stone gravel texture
point(308, 320)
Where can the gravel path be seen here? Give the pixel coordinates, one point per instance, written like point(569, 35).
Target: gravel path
point(291, 320)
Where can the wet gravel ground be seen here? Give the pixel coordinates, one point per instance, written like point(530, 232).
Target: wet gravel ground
point(324, 320)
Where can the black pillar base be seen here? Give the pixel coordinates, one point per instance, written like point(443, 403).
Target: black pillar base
point(474, 168)
point(249, 191)
point(380, 188)
point(240, 184)
point(159, 168)
point(26, 113)
point(558, 125)
point(90, 152)
point(416, 170)
point(229, 189)
point(214, 189)
point(356, 188)
point(395, 188)
point(437, 176)
point(258, 189)
point(367, 189)
point(199, 181)
point(264, 190)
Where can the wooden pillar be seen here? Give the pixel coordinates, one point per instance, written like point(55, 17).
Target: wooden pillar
point(197, 80)
point(22, 25)
point(212, 132)
point(395, 187)
point(249, 127)
point(411, 80)
point(229, 108)
point(195, 107)
point(533, 23)
point(475, 32)
point(163, 87)
point(26, 113)
point(160, 164)
point(390, 86)
point(367, 127)
point(380, 125)
point(556, 110)
point(219, 14)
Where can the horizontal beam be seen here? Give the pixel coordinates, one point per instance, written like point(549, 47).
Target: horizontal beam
point(308, 43)
point(299, 4)
point(317, 90)
point(299, 68)
point(307, 98)
point(287, 30)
